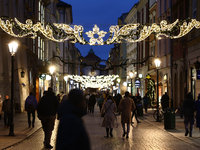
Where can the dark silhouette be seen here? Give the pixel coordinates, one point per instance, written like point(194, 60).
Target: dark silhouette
point(188, 111)
point(165, 101)
point(100, 102)
point(145, 102)
point(137, 100)
point(117, 99)
point(197, 108)
point(71, 131)
point(7, 111)
point(30, 106)
point(92, 102)
point(47, 108)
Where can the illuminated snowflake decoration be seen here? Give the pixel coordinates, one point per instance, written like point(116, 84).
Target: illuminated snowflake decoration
point(100, 34)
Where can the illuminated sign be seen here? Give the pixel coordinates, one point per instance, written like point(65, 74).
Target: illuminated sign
point(137, 83)
point(198, 74)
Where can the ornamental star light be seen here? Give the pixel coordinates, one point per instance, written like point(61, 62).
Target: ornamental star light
point(100, 34)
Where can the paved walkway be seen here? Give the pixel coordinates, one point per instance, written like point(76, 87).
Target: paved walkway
point(146, 135)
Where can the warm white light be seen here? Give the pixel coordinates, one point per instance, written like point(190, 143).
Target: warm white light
point(65, 78)
point(124, 84)
point(13, 47)
point(118, 80)
point(48, 77)
point(52, 69)
point(157, 62)
point(131, 74)
point(140, 75)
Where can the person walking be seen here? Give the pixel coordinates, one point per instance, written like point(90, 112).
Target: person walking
point(109, 108)
point(117, 99)
point(1, 105)
point(71, 132)
point(136, 100)
point(47, 108)
point(92, 102)
point(7, 111)
point(126, 105)
point(165, 101)
point(197, 108)
point(100, 102)
point(30, 106)
point(188, 111)
point(146, 102)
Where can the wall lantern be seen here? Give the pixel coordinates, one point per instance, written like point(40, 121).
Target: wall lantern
point(197, 64)
point(175, 65)
point(22, 74)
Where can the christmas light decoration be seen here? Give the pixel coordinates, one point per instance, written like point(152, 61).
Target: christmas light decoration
point(94, 82)
point(62, 32)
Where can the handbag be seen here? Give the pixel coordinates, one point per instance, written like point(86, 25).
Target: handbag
point(106, 111)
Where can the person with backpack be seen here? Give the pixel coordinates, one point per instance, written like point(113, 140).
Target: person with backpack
point(30, 106)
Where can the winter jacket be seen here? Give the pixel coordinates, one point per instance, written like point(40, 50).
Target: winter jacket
point(71, 134)
point(6, 106)
point(48, 105)
point(188, 108)
point(126, 106)
point(31, 100)
point(197, 108)
point(109, 118)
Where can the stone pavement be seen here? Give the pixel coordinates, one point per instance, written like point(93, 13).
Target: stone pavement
point(149, 134)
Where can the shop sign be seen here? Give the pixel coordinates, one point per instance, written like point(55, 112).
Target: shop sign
point(198, 74)
point(137, 83)
point(148, 77)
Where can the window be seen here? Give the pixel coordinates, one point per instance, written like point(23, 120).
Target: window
point(41, 12)
point(40, 49)
point(194, 9)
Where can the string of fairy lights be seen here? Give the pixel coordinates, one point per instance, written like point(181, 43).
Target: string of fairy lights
point(60, 32)
point(93, 82)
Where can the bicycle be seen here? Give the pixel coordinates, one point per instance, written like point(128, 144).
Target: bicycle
point(161, 114)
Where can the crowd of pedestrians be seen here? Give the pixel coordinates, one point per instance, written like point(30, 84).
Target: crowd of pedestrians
point(69, 109)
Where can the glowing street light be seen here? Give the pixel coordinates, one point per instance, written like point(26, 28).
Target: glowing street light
point(13, 49)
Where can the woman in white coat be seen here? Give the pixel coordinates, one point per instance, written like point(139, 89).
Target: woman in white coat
point(109, 108)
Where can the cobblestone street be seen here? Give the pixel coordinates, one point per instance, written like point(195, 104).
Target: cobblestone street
point(143, 136)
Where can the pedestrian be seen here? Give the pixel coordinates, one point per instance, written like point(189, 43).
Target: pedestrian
point(92, 102)
point(71, 132)
point(59, 97)
point(7, 111)
point(1, 105)
point(30, 106)
point(126, 105)
point(87, 101)
point(47, 108)
point(188, 111)
point(100, 102)
point(109, 108)
point(117, 99)
point(137, 100)
point(197, 108)
point(146, 102)
point(165, 101)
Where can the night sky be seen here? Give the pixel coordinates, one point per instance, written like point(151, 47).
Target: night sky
point(104, 13)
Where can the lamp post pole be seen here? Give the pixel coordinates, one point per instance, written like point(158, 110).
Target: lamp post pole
point(131, 76)
point(157, 64)
point(11, 133)
point(158, 117)
point(13, 49)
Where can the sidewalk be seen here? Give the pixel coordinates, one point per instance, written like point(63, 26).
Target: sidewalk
point(21, 130)
point(178, 132)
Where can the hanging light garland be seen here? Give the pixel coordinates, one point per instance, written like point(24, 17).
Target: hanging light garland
point(62, 32)
point(94, 82)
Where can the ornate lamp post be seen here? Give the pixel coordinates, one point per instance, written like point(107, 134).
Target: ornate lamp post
point(52, 69)
point(157, 64)
point(131, 76)
point(13, 49)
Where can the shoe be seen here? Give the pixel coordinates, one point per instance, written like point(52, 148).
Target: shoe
point(29, 125)
point(132, 122)
point(127, 136)
point(111, 135)
point(124, 134)
point(138, 122)
point(190, 135)
point(186, 133)
point(49, 146)
point(33, 125)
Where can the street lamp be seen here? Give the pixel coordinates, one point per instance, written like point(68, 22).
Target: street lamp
point(52, 69)
point(13, 49)
point(131, 76)
point(157, 64)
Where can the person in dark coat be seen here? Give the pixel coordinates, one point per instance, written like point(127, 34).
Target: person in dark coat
point(71, 134)
point(117, 99)
point(30, 106)
point(92, 102)
point(165, 101)
point(100, 102)
point(47, 108)
point(7, 111)
point(197, 108)
point(188, 111)
point(137, 100)
point(145, 101)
